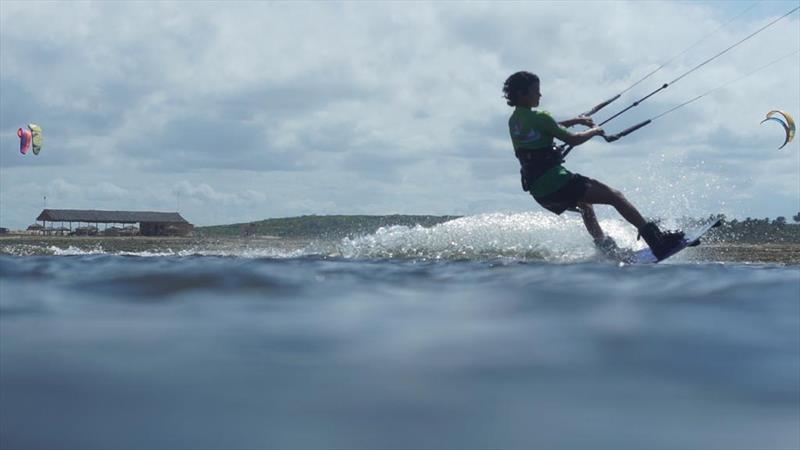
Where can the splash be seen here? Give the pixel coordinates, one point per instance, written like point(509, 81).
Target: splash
point(532, 236)
point(73, 251)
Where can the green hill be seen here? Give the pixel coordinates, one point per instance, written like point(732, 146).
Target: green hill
point(319, 226)
point(751, 231)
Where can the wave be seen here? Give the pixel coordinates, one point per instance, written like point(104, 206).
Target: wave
point(525, 236)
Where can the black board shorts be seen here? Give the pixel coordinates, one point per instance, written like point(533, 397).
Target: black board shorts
point(567, 197)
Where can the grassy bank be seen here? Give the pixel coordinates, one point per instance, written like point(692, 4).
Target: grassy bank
point(319, 227)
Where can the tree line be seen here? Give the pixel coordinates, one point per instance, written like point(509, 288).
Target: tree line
point(749, 231)
point(753, 230)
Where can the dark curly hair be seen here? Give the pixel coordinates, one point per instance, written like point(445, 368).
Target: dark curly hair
point(517, 85)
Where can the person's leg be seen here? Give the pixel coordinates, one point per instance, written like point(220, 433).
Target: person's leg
point(590, 221)
point(659, 242)
point(604, 243)
point(599, 193)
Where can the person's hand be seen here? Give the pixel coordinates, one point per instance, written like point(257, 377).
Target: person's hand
point(585, 120)
point(598, 131)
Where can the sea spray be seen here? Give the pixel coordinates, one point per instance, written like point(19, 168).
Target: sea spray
point(533, 236)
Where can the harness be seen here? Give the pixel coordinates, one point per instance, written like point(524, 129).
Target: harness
point(534, 163)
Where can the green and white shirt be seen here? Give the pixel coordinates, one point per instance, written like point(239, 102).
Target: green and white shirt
point(534, 131)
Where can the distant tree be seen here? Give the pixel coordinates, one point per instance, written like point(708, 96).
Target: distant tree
point(796, 217)
point(780, 221)
point(720, 217)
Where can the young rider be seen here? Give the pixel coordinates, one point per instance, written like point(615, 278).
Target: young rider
point(553, 186)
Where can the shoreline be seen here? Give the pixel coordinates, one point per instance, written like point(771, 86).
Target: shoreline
point(27, 245)
point(785, 253)
point(749, 253)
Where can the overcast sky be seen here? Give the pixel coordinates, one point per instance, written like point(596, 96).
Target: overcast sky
point(231, 112)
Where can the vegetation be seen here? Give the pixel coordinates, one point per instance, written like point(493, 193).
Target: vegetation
point(760, 231)
point(319, 226)
point(748, 231)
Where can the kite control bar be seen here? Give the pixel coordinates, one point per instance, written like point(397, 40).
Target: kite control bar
point(614, 137)
point(625, 132)
point(600, 106)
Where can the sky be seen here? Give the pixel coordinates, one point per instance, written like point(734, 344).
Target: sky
point(233, 112)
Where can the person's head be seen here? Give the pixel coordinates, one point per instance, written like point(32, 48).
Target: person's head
point(522, 89)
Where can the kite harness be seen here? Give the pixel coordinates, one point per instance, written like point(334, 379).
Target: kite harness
point(534, 163)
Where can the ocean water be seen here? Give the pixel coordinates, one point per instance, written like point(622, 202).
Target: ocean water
point(498, 331)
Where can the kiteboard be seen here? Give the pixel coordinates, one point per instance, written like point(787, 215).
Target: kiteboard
point(691, 238)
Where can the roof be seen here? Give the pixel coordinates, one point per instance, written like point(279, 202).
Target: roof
point(91, 215)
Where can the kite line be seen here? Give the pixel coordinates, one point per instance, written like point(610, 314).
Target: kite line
point(566, 149)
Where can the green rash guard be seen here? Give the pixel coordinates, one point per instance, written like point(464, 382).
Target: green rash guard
point(534, 131)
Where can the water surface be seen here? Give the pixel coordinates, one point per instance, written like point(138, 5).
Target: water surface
point(429, 347)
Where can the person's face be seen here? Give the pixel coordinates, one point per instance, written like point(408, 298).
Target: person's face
point(530, 99)
point(534, 94)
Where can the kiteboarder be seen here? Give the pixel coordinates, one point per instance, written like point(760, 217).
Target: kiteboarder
point(556, 188)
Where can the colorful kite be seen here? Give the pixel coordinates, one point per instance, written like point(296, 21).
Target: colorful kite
point(33, 135)
point(788, 124)
point(24, 140)
point(37, 138)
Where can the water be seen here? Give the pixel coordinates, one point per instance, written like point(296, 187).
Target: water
point(451, 337)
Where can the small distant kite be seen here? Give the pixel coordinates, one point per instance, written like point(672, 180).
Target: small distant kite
point(25, 137)
point(32, 135)
point(38, 139)
point(788, 124)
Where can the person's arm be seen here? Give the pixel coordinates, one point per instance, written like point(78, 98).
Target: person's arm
point(580, 120)
point(559, 132)
point(575, 139)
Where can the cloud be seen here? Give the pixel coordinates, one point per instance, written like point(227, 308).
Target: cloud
point(265, 109)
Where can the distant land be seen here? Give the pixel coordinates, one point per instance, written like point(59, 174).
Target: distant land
point(331, 227)
point(748, 231)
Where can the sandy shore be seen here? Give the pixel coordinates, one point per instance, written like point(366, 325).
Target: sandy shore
point(753, 253)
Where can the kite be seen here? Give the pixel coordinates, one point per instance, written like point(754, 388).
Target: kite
point(24, 140)
point(788, 124)
point(37, 138)
point(33, 135)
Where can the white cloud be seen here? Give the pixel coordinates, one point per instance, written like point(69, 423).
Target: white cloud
point(254, 110)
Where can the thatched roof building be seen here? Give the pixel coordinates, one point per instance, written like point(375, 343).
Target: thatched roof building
point(150, 223)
